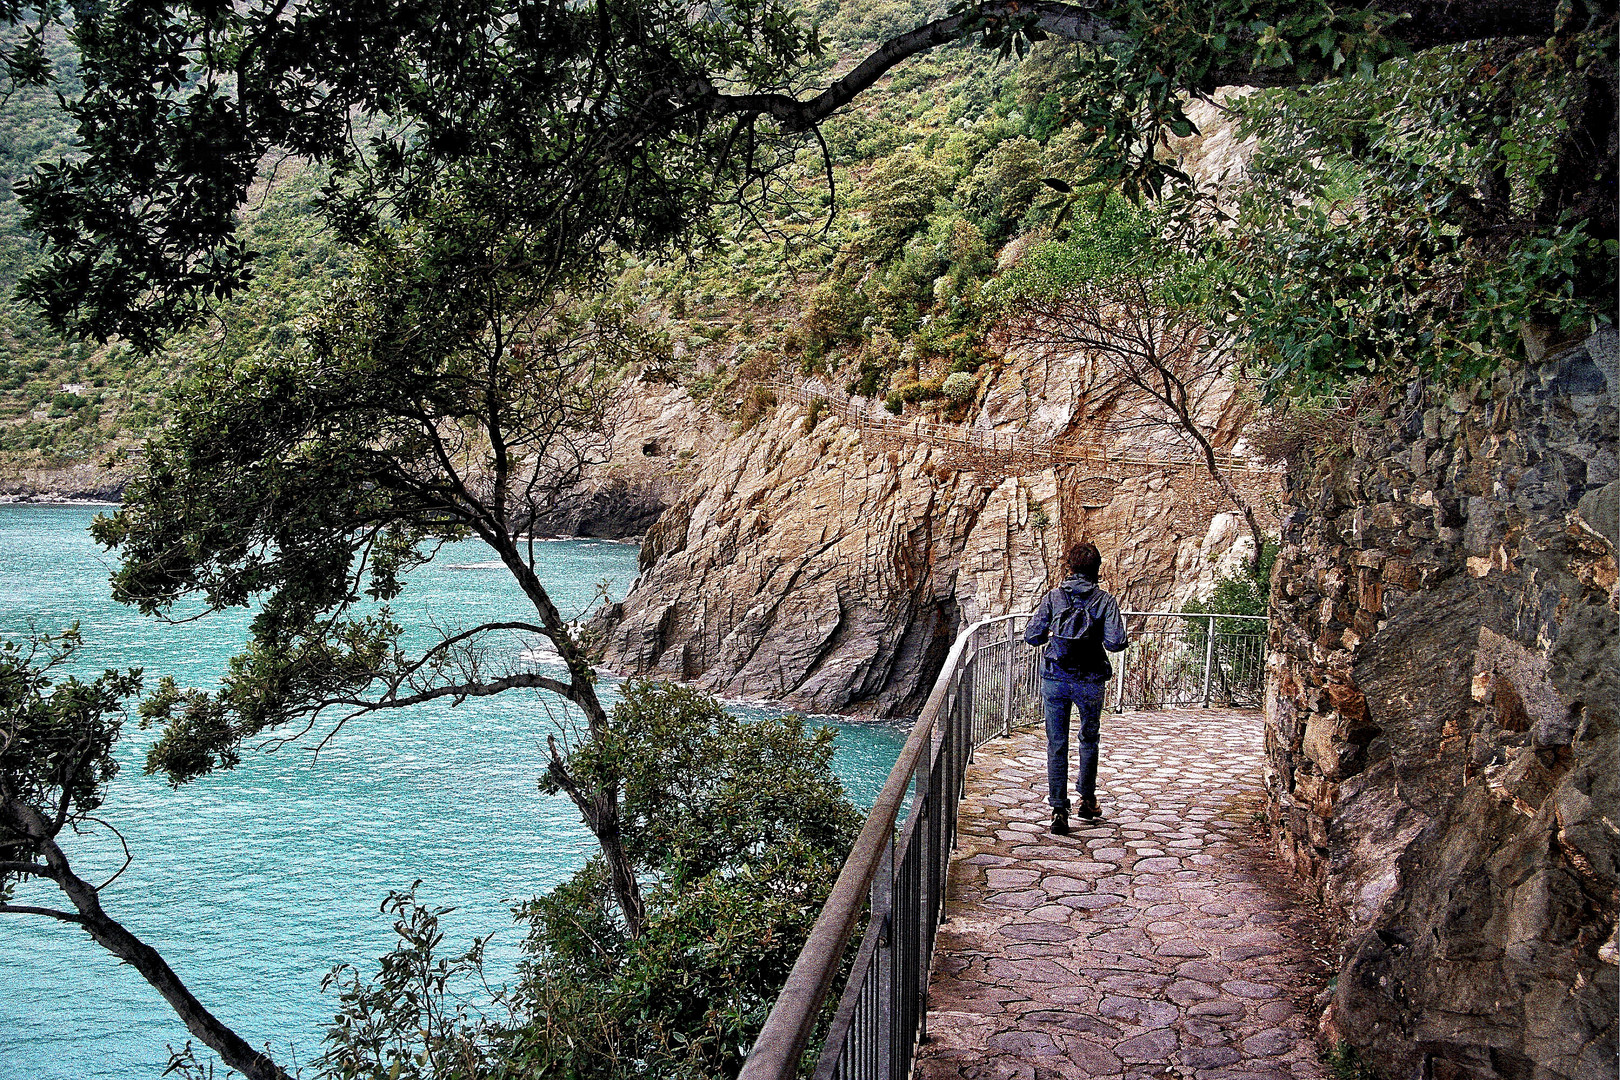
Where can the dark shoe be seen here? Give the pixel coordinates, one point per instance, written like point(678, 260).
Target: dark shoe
point(1089, 809)
point(1060, 822)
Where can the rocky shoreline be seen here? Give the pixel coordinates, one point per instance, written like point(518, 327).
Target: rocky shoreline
point(67, 484)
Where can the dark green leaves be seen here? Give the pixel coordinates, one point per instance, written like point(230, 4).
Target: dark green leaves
point(281, 677)
point(1126, 95)
point(24, 60)
point(56, 738)
point(1416, 221)
point(719, 793)
point(572, 120)
point(741, 826)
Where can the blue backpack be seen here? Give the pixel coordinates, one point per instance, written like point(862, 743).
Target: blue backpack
point(1074, 635)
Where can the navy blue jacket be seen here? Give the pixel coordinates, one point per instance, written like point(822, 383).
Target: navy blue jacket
point(1103, 606)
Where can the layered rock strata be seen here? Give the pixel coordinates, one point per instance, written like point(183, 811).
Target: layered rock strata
point(1441, 731)
point(814, 566)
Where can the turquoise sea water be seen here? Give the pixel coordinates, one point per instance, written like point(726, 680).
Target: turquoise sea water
point(253, 883)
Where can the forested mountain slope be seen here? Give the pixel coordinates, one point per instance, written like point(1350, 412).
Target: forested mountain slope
point(929, 179)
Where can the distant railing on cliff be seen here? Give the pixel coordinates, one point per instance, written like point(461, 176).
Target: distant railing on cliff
point(990, 683)
point(875, 423)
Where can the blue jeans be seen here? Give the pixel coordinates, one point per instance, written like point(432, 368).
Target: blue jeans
point(1058, 692)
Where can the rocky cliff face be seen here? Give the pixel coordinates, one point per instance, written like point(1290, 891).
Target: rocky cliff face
point(813, 566)
point(67, 483)
point(808, 565)
point(1442, 730)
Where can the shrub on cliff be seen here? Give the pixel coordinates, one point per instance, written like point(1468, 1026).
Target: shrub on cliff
point(959, 387)
point(1245, 591)
point(1414, 218)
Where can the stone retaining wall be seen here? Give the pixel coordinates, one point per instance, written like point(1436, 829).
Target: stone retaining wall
point(1441, 729)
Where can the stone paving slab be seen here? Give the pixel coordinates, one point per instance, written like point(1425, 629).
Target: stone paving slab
point(1156, 942)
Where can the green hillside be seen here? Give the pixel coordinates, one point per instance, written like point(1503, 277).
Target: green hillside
point(64, 402)
point(929, 178)
point(876, 278)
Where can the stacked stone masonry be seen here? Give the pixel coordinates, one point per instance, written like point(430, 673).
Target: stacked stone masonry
point(1441, 728)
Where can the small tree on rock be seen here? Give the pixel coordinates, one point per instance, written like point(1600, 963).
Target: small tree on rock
point(1139, 309)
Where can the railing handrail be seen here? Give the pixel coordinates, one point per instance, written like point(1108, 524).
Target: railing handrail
point(1198, 615)
point(781, 1042)
point(787, 1029)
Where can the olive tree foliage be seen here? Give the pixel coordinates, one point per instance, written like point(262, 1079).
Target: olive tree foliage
point(23, 60)
point(576, 116)
point(442, 393)
point(1417, 199)
point(57, 735)
point(738, 829)
point(429, 403)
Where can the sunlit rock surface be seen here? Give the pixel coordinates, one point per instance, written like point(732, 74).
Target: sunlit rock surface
point(813, 565)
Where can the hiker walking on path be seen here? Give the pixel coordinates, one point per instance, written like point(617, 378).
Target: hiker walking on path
point(1076, 622)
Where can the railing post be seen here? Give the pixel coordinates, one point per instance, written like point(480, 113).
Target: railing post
point(883, 909)
point(1209, 656)
point(926, 836)
point(1119, 687)
point(1007, 688)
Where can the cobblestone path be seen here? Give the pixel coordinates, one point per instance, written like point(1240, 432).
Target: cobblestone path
point(1155, 942)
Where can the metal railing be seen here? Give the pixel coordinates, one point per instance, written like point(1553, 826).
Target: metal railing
point(990, 683)
point(1181, 658)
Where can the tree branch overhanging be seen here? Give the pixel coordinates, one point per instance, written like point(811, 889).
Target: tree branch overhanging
point(1420, 24)
point(20, 818)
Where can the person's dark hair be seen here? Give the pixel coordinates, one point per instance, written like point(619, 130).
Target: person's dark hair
point(1084, 560)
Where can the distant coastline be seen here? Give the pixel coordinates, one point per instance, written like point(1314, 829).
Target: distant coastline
point(64, 484)
point(49, 499)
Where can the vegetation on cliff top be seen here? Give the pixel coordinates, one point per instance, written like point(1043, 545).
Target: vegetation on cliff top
point(1452, 196)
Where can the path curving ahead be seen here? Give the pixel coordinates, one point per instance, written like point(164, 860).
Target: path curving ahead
point(1157, 942)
